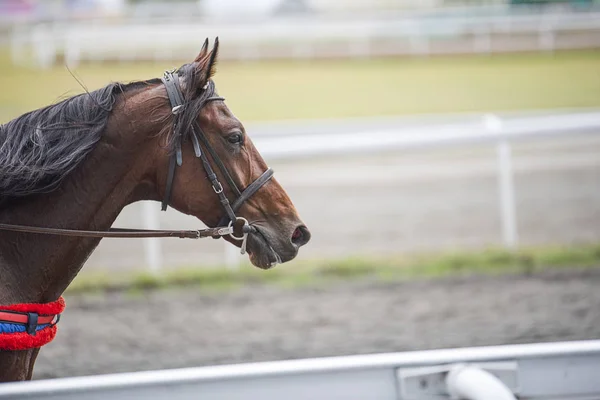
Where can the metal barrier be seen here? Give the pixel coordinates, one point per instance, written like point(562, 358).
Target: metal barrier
point(565, 370)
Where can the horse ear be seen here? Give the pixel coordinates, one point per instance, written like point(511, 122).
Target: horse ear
point(205, 65)
point(211, 66)
point(203, 51)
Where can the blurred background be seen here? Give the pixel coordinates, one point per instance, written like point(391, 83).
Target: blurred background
point(401, 129)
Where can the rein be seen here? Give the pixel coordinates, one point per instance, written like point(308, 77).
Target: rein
point(230, 225)
point(121, 232)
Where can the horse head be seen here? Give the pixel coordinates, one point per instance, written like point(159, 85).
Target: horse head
point(210, 168)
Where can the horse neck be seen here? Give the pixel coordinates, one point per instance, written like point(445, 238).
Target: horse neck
point(38, 268)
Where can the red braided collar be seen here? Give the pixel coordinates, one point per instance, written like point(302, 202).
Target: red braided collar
point(24, 340)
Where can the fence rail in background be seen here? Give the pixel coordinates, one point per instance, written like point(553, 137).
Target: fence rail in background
point(341, 138)
point(565, 370)
point(307, 36)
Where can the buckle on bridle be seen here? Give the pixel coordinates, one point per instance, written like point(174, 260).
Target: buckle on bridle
point(224, 231)
point(218, 188)
point(177, 109)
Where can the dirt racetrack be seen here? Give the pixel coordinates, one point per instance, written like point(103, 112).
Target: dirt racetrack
point(178, 328)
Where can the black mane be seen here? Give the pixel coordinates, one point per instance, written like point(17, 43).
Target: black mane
point(40, 148)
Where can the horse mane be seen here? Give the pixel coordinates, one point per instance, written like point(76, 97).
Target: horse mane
point(40, 148)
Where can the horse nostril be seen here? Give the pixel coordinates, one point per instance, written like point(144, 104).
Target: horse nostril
point(301, 236)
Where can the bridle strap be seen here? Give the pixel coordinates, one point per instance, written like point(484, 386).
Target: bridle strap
point(252, 188)
point(171, 82)
point(214, 181)
point(170, 179)
point(217, 159)
point(120, 232)
point(248, 192)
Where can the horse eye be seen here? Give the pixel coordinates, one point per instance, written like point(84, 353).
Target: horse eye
point(235, 138)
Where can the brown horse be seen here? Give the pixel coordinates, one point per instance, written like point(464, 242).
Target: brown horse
point(78, 163)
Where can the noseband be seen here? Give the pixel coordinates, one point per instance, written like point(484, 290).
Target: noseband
point(230, 225)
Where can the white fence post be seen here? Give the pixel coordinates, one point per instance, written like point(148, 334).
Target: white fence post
point(507, 195)
point(547, 39)
point(152, 248)
point(232, 256)
point(506, 185)
point(482, 42)
point(44, 46)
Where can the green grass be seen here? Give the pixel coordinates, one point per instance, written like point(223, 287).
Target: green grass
point(346, 88)
point(491, 261)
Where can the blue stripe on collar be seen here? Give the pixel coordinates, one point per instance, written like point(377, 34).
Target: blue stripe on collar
point(8, 327)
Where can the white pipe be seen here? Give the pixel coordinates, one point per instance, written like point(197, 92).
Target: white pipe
point(471, 383)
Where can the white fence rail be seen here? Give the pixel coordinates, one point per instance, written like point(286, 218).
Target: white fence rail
point(306, 37)
point(295, 140)
point(452, 131)
point(565, 370)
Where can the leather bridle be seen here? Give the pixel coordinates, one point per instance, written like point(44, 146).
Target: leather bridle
point(231, 225)
point(199, 140)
